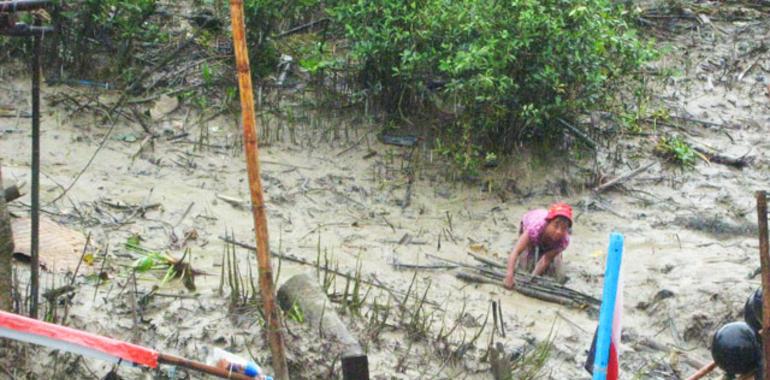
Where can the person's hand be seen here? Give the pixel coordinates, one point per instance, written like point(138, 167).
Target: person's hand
point(509, 283)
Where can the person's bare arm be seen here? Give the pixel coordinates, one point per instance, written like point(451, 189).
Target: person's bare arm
point(544, 261)
point(521, 245)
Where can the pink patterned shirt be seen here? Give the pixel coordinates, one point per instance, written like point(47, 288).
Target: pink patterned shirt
point(533, 224)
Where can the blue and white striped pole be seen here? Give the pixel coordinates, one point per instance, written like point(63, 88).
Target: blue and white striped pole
point(606, 313)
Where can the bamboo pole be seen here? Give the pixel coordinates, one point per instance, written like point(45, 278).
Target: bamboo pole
point(266, 286)
point(200, 367)
point(764, 258)
point(703, 371)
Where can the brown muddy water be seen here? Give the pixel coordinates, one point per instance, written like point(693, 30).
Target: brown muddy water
point(328, 195)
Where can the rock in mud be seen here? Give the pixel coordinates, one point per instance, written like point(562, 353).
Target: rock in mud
point(164, 106)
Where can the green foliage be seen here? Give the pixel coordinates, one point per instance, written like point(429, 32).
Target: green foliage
point(113, 28)
point(507, 69)
point(150, 261)
point(263, 17)
point(676, 150)
point(296, 314)
point(463, 153)
point(530, 365)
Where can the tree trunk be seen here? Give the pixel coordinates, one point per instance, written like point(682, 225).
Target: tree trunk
point(6, 255)
point(304, 291)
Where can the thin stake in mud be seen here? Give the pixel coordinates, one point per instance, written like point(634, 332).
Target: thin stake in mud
point(82, 256)
point(764, 258)
point(273, 319)
point(35, 191)
point(101, 270)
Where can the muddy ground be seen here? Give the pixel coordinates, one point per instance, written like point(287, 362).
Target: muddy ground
point(333, 190)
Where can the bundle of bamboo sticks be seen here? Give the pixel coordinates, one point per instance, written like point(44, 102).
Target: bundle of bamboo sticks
point(489, 271)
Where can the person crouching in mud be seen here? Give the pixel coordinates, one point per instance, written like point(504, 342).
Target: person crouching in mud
point(543, 236)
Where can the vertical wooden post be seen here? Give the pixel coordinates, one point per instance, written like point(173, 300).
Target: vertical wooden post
point(6, 255)
point(266, 286)
point(35, 187)
point(764, 258)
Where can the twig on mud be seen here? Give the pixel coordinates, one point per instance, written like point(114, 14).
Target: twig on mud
point(738, 163)
point(570, 322)
point(388, 223)
point(285, 164)
point(147, 140)
point(623, 178)
point(101, 270)
point(121, 206)
point(184, 215)
point(140, 119)
point(399, 265)
point(82, 255)
point(134, 319)
point(703, 122)
point(374, 282)
point(355, 144)
point(596, 203)
point(137, 210)
point(102, 143)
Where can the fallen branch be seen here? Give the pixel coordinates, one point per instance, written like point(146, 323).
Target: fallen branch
point(579, 134)
point(624, 178)
point(304, 291)
point(125, 206)
point(739, 163)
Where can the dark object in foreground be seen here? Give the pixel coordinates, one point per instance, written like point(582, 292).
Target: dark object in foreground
point(24, 30)
point(752, 310)
point(303, 291)
point(11, 193)
point(735, 348)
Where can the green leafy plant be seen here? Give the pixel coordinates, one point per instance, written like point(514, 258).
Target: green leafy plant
point(677, 150)
point(157, 261)
point(296, 314)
